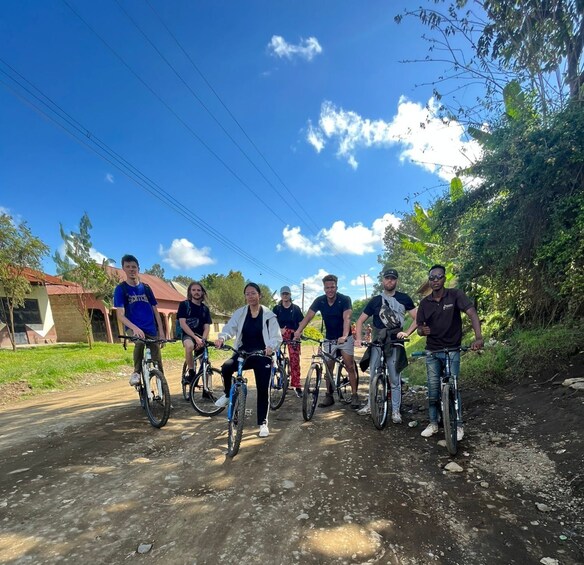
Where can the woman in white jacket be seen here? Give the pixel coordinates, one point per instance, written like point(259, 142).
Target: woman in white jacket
point(255, 328)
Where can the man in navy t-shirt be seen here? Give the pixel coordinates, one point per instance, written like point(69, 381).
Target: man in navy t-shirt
point(336, 310)
point(136, 309)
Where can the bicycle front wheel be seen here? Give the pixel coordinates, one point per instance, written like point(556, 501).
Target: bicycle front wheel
point(379, 401)
point(311, 388)
point(235, 428)
point(205, 390)
point(449, 417)
point(278, 388)
point(158, 401)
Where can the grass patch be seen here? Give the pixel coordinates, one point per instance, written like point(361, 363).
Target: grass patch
point(55, 366)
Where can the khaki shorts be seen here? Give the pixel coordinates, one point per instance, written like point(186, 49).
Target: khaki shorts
point(348, 347)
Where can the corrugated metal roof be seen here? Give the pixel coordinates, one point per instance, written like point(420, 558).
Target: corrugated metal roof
point(38, 277)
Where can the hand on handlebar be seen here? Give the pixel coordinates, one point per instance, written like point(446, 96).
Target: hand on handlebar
point(219, 343)
point(139, 333)
point(477, 344)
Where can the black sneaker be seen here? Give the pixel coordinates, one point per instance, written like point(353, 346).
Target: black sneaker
point(298, 392)
point(328, 400)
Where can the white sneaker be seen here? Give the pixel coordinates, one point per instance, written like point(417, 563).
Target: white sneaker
point(430, 430)
point(459, 433)
point(396, 418)
point(222, 401)
point(135, 379)
point(264, 430)
point(364, 411)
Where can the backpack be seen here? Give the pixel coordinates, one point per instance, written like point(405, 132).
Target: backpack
point(178, 331)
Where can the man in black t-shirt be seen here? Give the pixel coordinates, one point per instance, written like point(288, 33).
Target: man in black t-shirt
point(440, 321)
point(195, 321)
point(388, 310)
point(336, 310)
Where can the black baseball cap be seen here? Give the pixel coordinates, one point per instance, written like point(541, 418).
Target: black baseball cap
point(390, 273)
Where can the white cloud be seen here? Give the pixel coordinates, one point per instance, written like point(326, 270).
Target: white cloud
point(360, 282)
point(307, 48)
point(109, 178)
point(340, 238)
point(436, 145)
point(182, 254)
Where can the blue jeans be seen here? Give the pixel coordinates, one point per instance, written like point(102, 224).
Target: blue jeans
point(394, 376)
point(434, 370)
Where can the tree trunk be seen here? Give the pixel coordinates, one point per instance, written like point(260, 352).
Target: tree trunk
point(10, 325)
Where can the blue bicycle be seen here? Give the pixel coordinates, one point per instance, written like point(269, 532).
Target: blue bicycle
point(237, 400)
point(280, 378)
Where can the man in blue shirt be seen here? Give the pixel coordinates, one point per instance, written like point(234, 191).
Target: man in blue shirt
point(136, 309)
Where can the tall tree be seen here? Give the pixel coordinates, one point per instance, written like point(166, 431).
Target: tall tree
point(538, 43)
point(225, 292)
point(78, 266)
point(19, 249)
point(157, 271)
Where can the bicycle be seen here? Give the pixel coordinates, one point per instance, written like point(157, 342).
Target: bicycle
point(280, 378)
point(340, 383)
point(380, 387)
point(237, 400)
point(153, 389)
point(207, 385)
point(449, 395)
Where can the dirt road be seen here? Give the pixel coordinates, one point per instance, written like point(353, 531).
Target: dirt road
point(85, 479)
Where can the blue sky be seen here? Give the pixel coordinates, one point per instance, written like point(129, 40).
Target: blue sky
point(317, 87)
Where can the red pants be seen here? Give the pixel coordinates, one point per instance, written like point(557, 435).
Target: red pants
point(294, 356)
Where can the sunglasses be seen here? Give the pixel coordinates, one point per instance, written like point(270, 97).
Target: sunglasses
point(435, 277)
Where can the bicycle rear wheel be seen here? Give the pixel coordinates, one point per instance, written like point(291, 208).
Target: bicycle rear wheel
point(311, 388)
point(343, 385)
point(379, 401)
point(449, 417)
point(158, 402)
point(205, 390)
point(278, 388)
point(235, 427)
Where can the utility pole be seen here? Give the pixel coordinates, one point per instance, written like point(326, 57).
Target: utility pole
point(303, 298)
point(365, 284)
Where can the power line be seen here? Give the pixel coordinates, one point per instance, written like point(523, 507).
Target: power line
point(342, 260)
point(167, 106)
point(231, 115)
point(82, 135)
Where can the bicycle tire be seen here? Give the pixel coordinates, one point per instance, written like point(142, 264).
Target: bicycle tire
point(158, 404)
point(278, 388)
point(204, 392)
point(287, 373)
point(184, 383)
point(342, 384)
point(450, 418)
point(379, 401)
point(311, 389)
point(235, 427)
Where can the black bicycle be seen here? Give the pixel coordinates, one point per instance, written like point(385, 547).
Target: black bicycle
point(237, 400)
point(449, 395)
point(153, 388)
point(280, 378)
point(380, 387)
point(207, 385)
point(338, 377)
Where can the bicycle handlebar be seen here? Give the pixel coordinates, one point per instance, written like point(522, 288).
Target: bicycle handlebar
point(244, 353)
point(443, 350)
point(390, 342)
point(146, 340)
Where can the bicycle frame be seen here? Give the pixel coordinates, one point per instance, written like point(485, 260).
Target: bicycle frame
point(238, 382)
